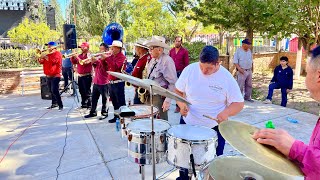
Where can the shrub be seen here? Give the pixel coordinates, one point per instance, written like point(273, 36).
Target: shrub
point(16, 58)
point(194, 50)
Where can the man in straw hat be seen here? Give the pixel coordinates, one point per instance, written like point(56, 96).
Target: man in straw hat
point(144, 57)
point(116, 63)
point(161, 69)
point(307, 157)
point(52, 69)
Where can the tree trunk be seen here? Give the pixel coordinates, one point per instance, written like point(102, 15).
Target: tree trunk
point(299, 60)
point(221, 34)
point(249, 35)
point(278, 41)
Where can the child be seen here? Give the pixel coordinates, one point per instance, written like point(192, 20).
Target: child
point(282, 79)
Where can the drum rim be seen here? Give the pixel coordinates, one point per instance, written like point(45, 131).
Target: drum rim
point(191, 141)
point(144, 132)
point(183, 139)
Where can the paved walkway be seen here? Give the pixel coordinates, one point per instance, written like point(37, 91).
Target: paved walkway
point(94, 149)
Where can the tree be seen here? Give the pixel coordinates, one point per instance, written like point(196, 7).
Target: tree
point(28, 32)
point(237, 15)
point(58, 14)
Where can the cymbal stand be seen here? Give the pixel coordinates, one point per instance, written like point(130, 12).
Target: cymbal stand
point(152, 136)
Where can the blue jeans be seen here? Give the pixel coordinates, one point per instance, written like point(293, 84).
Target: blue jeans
point(219, 151)
point(284, 98)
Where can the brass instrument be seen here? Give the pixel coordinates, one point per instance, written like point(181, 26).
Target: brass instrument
point(85, 61)
point(142, 94)
point(69, 55)
point(43, 52)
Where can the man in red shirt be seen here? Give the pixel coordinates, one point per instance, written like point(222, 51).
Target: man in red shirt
point(84, 75)
point(180, 57)
point(100, 82)
point(143, 52)
point(52, 65)
point(116, 63)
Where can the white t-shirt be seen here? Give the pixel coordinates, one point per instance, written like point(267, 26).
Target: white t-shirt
point(208, 94)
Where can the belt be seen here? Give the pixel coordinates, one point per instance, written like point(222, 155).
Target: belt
point(85, 74)
point(115, 82)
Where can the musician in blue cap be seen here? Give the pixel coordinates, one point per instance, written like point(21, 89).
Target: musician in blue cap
point(52, 69)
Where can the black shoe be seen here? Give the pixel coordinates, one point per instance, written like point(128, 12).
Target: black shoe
point(90, 115)
point(250, 100)
point(52, 106)
point(60, 108)
point(104, 113)
point(84, 106)
point(112, 120)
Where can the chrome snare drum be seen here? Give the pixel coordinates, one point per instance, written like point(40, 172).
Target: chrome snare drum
point(141, 111)
point(139, 141)
point(184, 140)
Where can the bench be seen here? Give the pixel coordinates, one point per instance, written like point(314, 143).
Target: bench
point(24, 74)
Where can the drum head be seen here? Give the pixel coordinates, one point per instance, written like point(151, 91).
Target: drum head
point(144, 125)
point(143, 110)
point(192, 133)
point(238, 168)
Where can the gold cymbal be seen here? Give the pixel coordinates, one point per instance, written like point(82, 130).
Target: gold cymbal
point(146, 83)
point(239, 168)
point(239, 135)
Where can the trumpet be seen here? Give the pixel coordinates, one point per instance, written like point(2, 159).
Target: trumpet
point(69, 55)
point(86, 61)
point(43, 52)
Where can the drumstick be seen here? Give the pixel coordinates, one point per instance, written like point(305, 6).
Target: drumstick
point(209, 117)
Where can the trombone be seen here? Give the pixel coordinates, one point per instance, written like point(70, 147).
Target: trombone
point(43, 52)
point(69, 55)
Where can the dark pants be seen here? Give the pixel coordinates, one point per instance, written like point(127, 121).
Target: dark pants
point(219, 150)
point(98, 90)
point(136, 99)
point(53, 84)
point(178, 75)
point(84, 83)
point(117, 94)
point(67, 75)
point(284, 98)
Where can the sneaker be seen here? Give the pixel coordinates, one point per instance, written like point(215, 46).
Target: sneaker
point(113, 120)
point(104, 113)
point(90, 115)
point(177, 110)
point(250, 100)
point(60, 108)
point(267, 101)
point(52, 106)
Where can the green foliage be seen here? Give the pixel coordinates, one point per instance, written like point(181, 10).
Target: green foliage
point(30, 33)
point(58, 15)
point(194, 50)
point(15, 58)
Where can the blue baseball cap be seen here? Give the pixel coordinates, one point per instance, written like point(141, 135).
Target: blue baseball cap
point(246, 41)
point(52, 43)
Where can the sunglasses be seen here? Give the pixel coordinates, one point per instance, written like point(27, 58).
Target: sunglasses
point(153, 47)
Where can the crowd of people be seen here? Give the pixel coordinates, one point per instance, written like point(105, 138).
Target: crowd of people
point(209, 87)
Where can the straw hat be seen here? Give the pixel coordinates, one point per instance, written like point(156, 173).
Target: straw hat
point(158, 41)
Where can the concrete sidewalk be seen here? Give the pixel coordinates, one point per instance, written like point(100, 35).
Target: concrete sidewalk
point(94, 149)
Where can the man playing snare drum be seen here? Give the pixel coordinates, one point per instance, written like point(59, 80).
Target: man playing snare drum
point(211, 90)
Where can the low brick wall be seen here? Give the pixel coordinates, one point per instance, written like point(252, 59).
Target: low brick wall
point(10, 80)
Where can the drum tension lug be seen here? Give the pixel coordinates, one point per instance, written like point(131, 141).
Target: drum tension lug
point(206, 147)
point(175, 144)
